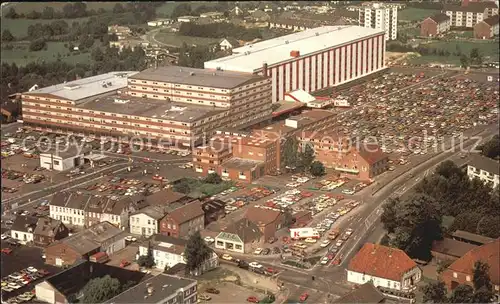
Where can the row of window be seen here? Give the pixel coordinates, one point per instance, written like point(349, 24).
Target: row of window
point(174, 85)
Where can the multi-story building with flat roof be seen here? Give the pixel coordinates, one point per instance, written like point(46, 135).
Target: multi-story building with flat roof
point(311, 60)
point(176, 105)
point(382, 17)
point(471, 14)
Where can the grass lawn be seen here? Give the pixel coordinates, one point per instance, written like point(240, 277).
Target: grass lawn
point(176, 40)
point(198, 188)
point(26, 7)
point(435, 59)
point(19, 27)
point(22, 56)
point(490, 49)
point(415, 14)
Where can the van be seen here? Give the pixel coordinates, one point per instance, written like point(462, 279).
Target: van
point(100, 257)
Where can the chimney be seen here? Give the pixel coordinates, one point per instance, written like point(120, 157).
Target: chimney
point(295, 54)
point(264, 69)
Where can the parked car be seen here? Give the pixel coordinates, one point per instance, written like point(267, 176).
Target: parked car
point(266, 251)
point(227, 257)
point(124, 263)
point(252, 299)
point(258, 251)
point(204, 297)
point(303, 297)
point(324, 261)
point(212, 290)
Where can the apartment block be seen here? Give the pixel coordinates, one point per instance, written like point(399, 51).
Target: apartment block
point(382, 17)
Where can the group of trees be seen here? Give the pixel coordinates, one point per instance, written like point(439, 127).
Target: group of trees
point(491, 148)
point(295, 159)
point(184, 9)
point(69, 11)
point(475, 58)
point(219, 30)
point(101, 289)
point(481, 292)
point(413, 224)
point(196, 252)
point(195, 56)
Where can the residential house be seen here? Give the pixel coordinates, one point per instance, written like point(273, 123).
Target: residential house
point(269, 220)
point(241, 236)
point(260, 16)
point(183, 221)
point(449, 249)
point(48, 231)
point(214, 210)
point(102, 237)
point(487, 29)
point(162, 288)
point(461, 271)
point(388, 268)
point(122, 32)
point(23, 227)
point(470, 15)
point(187, 19)
point(484, 168)
point(169, 251)
point(66, 286)
point(435, 25)
point(146, 221)
point(366, 293)
point(228, 44)
point(69, 207)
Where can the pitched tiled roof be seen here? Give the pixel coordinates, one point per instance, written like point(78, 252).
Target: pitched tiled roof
point(381, 261)
point(488, 253)
point(24, 223)
point(47, 226)
point(187, 212)
point(439, 18)
point(244, 229)
point(492, 20)
point(366, 293)
point(371, 153)
point(262, 216)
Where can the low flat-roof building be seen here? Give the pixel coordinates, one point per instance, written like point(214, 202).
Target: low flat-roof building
point(162, 288)
point(63, 158)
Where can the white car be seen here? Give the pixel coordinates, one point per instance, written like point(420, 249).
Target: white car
point(32, 269)
point(209, 239)
point(339, 243)
point(348, 191)
point(310, 240)
point(258, 251)
point(324, 244)
point(349, 231)
point(130, 238)
point(227, 257)
point(4, 237)
point(324, 261)
point(254, 265)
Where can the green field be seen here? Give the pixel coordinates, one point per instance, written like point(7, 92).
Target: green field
point(490, 49)
point(415, 14)
point(23, 56)
point(173, 39)
point(19, 27)
point(26, 7)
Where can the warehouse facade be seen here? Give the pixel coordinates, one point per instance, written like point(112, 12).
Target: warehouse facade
point(310, 60)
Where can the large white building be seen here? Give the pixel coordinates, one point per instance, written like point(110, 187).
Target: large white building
point(470, 14)
point(484, 168)
point(388, 268)
point(381, 17)
point(310, 60)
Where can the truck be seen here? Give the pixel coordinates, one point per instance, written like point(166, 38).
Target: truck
point(304, 233)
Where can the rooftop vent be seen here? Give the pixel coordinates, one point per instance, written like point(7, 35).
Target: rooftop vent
point(191, 73)
point(287, 42)
point(121, 101)
point(317, 34)
point(71, 87)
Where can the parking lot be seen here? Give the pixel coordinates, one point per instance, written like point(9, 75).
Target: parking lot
point(229, 293)
point(20, 259)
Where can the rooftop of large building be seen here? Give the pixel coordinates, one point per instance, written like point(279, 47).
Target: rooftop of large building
point(84, 88)
point(250, 58)
point(197, 77)
point(145, 107)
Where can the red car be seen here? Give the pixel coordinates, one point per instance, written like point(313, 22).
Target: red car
point(124, 263)
point(303, 297)
point(271, 270)
point(252, 299)
point(6, 250)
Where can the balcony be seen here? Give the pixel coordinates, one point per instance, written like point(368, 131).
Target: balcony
point(199, 170)
point(242, 177)
point(225, 174)
point(210, 171)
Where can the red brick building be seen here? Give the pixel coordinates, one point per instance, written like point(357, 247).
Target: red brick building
point(487, 29)
point(435, 25)
point(48, 231)
point(269, 220)
point(183, 221)
point(461, 271)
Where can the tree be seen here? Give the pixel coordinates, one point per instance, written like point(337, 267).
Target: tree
point(389, 214)
point(464, 61)
point(475, 56)
point(99, 290)
point(213, 178)
point(481, 278)
point(290, 157)
point(434, 292)
point(182, 187)
point(11, 14)
point(317, 168)
point(37, 45)
point(147, 260)
point(182, 9)
point(462, 294)
point(196, 252)
point(7, 36)
point(118, 8)
point(288, 217)
point(48, 12)
point(483, 295)
point(489, 226)
point(307, 156)
point(491, 148)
